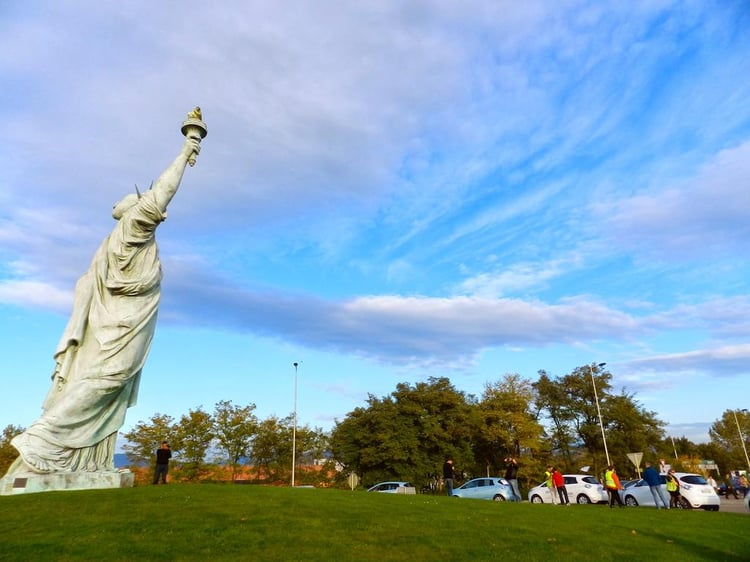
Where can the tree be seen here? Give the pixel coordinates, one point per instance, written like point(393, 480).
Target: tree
point(145, 437)
point(272, 447)
point(725, 433)
point(508, 425)
point(571, 405)
point(8, 452)
point(193, 436)
point(234, 428)
point(407, 435)
point(630, 428)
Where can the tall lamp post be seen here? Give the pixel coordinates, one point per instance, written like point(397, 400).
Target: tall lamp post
point(294, 426)
point(742, 437)
point(598, 411)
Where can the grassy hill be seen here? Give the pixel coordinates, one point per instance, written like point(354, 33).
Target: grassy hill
point(215, 522)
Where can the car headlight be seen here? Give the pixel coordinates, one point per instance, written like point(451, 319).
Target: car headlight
point(687, 486)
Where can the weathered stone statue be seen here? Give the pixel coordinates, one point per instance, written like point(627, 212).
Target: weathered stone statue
point(101, 354)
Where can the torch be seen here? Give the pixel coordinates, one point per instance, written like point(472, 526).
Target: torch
point(194, 127)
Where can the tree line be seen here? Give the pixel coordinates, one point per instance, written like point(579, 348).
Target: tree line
point(407, 434)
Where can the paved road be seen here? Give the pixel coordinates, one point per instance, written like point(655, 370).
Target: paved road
point(733, 506)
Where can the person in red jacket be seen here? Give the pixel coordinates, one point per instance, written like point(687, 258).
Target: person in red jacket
point(559, 483)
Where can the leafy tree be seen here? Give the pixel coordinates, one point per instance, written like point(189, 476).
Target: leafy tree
point(629, 427)
point(551, 399)
point(234, 428)
point(8, 452)
point(725, 434)
point(145, 437)
point(193, 436)
point(508, 425)
point(272, 447)
point(571, 404)
point(407, 435)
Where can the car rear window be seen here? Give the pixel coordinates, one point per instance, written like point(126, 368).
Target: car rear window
point(590, 480)
point(694, 479)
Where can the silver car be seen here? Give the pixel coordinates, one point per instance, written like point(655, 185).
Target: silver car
point(490, 488)
point(393, 488)
point(581, 488)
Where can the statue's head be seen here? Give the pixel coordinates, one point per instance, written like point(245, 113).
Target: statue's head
point(123, 205)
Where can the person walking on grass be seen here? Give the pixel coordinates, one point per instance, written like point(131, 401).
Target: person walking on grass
point(612, 483)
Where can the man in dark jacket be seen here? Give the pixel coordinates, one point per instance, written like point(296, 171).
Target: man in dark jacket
point(511, 475)
point(163, 454)
point(449, 473)
point(653, 479)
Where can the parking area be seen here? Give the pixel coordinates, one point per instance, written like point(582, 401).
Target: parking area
point(733, 506)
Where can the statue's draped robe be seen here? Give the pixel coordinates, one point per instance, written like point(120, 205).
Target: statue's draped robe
point(102, 351)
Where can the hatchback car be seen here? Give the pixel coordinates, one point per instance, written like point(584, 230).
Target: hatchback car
point(581, 488)
point(492, 488)
point(695, 492)
point(393, 488)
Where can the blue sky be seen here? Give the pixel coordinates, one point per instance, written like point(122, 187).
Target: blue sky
point(389, 191)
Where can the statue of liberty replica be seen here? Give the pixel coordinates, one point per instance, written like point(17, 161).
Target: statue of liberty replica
point(103, 349)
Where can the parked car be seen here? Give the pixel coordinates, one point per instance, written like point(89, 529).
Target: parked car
point(581, 488)
point(695, 492)
point(393, 488)
point(492, 488)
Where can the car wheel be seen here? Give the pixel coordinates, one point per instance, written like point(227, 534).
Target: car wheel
point(583, 499)
point(630, 501)
point(499, 498)
point(536, 499)
point(684, 504)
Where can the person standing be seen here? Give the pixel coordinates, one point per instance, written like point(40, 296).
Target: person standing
point(559, 481)
point(743, 483)
point(712, 482)
point(612, 483)
point(550, 483)
point(449, 475)
point(652, 478)
point(673, 487)
point(163, 454)
point(511, 475)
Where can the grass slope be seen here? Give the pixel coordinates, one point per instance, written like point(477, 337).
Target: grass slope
point(225, 522)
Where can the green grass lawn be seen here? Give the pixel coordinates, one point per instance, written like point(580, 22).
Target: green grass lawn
point(226, 522)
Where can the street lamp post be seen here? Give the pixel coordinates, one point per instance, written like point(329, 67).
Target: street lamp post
point(742, 437)
point(598, 411)
point(294, 426)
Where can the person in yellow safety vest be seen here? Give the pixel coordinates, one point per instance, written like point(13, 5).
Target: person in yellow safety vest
point(673, 487)
point(612, 483)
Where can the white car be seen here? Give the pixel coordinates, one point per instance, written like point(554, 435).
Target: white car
point(581, 488)
point(695, 492)
point(393, 488)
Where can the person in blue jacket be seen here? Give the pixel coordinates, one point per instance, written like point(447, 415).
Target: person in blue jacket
point(653, 479)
